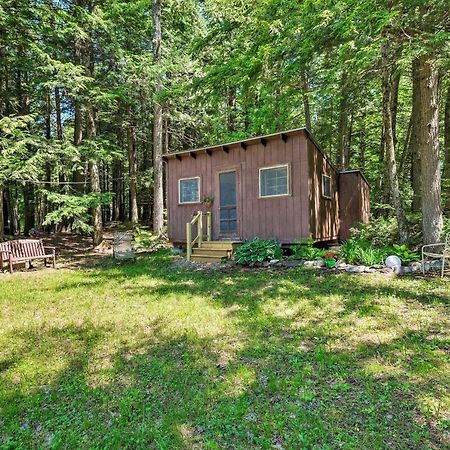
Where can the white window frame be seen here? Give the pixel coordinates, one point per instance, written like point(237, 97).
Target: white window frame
point(179, 190)
point(288, 181)
point(324, 175)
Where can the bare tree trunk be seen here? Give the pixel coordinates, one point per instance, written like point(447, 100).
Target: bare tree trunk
point(342, 132)
point(428, 134)
point(59, 128)
point(158, 196)
point(416, 178)
point(93, 164)
point(132, 167)
point(390, 158)
point(446, 173)
point(78, 176)
point(94, 179)
point(305, 97)
point(118, 210)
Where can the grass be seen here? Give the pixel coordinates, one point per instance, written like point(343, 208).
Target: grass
point(145, 355)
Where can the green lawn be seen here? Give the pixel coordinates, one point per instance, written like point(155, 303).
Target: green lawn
point(144, 355)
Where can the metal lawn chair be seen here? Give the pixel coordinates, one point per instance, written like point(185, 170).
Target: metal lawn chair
point(440, 251)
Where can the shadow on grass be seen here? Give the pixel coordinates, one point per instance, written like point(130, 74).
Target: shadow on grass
point(291, 381)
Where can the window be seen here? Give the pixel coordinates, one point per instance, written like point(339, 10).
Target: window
point(274, 181)
point(189, 190)
point(326, 186)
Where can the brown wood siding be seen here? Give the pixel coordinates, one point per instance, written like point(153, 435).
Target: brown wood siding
point(323, 212)
point(354, 203)
point(283, 218)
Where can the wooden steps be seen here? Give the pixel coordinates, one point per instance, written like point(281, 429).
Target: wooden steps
point(213, 251)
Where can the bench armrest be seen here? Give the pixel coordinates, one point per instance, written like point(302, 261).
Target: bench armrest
point(47, 247)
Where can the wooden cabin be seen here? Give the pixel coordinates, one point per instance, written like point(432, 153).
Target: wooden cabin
point(279, 186)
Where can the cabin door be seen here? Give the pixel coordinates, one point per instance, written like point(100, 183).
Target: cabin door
point(228, 217)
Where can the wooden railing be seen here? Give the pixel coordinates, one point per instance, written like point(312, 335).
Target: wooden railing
point(198, 219)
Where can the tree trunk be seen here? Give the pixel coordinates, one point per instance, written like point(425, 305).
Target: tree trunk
point(342, 132)
point(95, 180)
point(305, 97)
point(414, 141)
point(390, 158)
point(59, 128)
point(132, 167)
point(93, 164)
point(428, 139)
point(28, 207)
point(446, 173)
point(158, 195)
point(78, 176)
point(118, 210)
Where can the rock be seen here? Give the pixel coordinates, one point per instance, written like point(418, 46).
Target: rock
point(416, 266)
point(293, 263)
point(355, 269)
point(377, 266)
point(436, 264)
point(176, 251)
point(405, 269)
point(309, 263)
point(274, 261)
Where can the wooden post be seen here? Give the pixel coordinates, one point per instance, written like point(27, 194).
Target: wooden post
point(200, 229)
point(188, 241)
point(208, 226)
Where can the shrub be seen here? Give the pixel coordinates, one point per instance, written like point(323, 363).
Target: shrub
point(379, 232)
point(147, 240)
point(257, 251)
point(304, 249)
point(360, 251)
point(356, 251)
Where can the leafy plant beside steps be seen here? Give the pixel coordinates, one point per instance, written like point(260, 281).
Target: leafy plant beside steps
point(257, 251)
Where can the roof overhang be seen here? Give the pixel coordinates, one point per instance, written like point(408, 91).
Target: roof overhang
point(243, 143)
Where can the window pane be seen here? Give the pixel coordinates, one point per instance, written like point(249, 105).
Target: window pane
point(274, 181)
point(227, 188)
point(326, 186)
point(189, 190)
point(232, 224)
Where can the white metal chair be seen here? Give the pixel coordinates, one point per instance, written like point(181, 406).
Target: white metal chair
point(440, 250)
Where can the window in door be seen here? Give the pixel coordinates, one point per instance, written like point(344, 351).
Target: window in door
point(228, 206)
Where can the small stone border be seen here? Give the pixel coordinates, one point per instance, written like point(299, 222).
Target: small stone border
point(415, 267)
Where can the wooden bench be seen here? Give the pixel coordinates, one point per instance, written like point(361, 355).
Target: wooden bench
point(24, 251)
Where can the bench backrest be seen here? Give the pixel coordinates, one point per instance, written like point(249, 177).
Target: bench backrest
point(27, 248)
point(5, 248)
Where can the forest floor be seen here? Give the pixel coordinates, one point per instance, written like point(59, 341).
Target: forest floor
point(144, 354)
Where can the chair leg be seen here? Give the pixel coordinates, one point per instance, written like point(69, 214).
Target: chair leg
point(54, 262)
point(442, 269)
point(10, 266)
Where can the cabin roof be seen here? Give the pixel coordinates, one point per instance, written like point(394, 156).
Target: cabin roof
point(356, 171)
point(251, 140)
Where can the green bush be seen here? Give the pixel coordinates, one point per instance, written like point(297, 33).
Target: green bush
point(147, 240)
point(379, 232)
point(304, 249)
point(257, 251)
point(361, 251)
